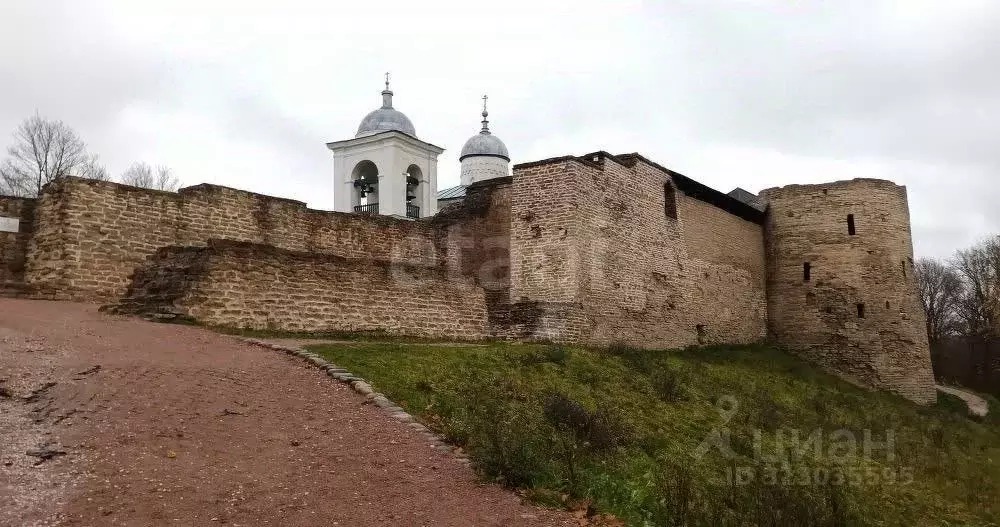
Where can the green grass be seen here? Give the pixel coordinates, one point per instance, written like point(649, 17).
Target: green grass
point(619, 428)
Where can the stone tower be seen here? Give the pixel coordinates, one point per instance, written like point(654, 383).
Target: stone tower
point(840, 283)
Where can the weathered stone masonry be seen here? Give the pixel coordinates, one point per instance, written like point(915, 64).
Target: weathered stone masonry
point(14, 245)
point(239, 284)
point(594, 250)
point(91, 235)
point(593, 233)
point(856, 309)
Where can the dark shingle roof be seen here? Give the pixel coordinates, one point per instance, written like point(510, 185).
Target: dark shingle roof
point(749, 198)
point(452, 193)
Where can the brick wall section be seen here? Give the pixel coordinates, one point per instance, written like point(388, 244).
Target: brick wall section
point(477, 234)
point(14, 245)
point(464, 295)
point(808, 223)
point(544, 232)
point(256, 286)
point(713, 235)
point(591, 234)
point(660, 282)
point(544, 251)
point(91, 235)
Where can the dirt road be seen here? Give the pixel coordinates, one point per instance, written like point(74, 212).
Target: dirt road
point(152, 424)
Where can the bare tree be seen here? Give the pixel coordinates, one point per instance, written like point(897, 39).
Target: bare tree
point(93, 169)
point(140, 174)
point(979, 269)
point(43, 151)
point(940, 290)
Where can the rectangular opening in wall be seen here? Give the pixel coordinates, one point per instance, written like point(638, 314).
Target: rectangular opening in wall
point(806, 271)
point(669, 201)
point(903, 265)
point(861, 311)
point(850, 225)
point(887, 304)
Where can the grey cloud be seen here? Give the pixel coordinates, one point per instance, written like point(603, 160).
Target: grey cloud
point(902, 89)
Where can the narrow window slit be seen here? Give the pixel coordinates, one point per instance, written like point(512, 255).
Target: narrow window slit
point(669, 201)
point(806, 271)
point(850, 225)
point(861, 311)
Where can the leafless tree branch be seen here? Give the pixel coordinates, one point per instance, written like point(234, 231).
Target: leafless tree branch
point(43, 151)
point(940, 291)
point(140, 174)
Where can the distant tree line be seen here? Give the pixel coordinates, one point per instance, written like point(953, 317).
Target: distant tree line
point(961, 298)
point(45, 150)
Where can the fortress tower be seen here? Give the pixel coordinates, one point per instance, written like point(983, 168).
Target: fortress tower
point(840, 283)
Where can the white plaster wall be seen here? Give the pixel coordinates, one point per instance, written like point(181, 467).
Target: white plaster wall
point(479, 168)
point(392, 154)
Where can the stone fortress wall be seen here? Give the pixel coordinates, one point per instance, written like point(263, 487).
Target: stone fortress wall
point(841, 285)
point(14, 244)
point(91, 235)
point(593, 250)
point(245, 285)
point(594, 232)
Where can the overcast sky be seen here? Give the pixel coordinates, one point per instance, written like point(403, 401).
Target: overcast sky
point(748, 93)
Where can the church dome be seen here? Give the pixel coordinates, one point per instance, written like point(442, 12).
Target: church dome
point(484, 144)
point(385, 118)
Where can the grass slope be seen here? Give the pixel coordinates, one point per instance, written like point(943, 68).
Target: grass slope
point(621, 429)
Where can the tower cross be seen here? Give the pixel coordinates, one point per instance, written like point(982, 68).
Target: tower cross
point(387, 80)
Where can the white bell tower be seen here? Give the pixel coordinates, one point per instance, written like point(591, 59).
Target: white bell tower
point(385, 169)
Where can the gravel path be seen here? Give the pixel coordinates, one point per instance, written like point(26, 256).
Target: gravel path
point(173, 425)
point(977, 405)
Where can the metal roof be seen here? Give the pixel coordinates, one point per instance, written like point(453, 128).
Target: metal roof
point(749, 198)
point(452, 193)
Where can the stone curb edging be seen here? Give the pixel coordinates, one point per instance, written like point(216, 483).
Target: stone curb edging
point(362, 387)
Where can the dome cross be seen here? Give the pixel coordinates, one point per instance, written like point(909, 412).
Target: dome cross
point(486, 122)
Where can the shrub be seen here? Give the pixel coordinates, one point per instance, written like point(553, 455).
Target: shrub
point(550, 354)
point(598, 431)
point(670, 384)
point(769, 415)
point(577, 431)
point(504, 437)
point(688, 498)
point(635, 358)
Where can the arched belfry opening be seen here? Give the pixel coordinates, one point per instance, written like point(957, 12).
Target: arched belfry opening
point(414, 178)
point(365, 184)
point(385, 169)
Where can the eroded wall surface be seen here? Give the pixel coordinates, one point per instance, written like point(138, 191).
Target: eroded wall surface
point(857, 312)
point(462, 292)
point(594, 235)
point(14, 244)
point(239, 284)
point(91, 235)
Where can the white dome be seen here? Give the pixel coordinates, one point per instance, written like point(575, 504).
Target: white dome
point(385, 119)
point(484, 143)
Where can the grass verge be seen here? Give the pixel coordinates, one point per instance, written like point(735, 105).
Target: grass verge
point(720, 436)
